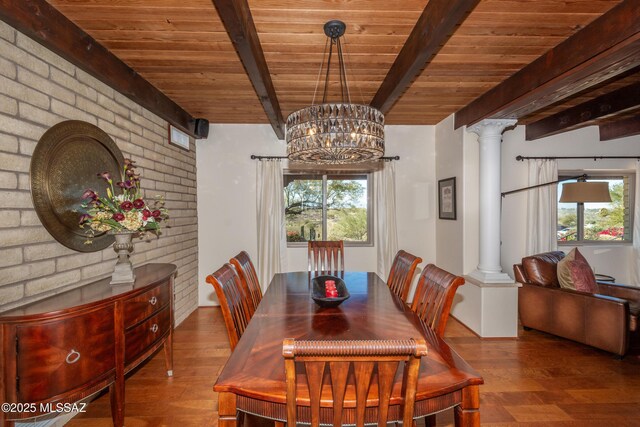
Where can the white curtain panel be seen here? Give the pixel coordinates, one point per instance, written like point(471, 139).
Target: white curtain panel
point(386, 231)
point(542, 213)
point(270, 216)
point(635, 253)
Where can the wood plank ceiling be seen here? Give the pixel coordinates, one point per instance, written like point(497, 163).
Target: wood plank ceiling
point(182, 47)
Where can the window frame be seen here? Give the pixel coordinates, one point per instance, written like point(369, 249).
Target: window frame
point(602, 174)
point(323, 175)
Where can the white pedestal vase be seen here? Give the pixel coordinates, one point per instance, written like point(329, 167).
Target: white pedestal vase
point(123, 246)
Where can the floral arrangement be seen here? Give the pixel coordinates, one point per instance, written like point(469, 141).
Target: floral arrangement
point(126, 211)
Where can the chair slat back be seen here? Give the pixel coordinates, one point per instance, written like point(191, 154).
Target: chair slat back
point(233, 301)
point(248, 279)
point(369, 367)
point(401, 274)
point(434, 296)
point(326, 257)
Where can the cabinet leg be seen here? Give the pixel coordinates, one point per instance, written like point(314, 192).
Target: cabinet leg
point(168, 354)
point(116, 394)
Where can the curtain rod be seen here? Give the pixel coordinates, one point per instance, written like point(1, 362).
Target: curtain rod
point(583, 177)
point(255, 157)
point(522, 158)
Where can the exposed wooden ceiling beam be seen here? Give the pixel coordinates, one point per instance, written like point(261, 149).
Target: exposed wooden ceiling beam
point(612, 103)
point(237, 20)
point(608, 46)
point(620, 128)
point(436, 25)
point(40, 21)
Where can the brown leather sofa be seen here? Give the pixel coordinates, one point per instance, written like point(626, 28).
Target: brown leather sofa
point(607, 320)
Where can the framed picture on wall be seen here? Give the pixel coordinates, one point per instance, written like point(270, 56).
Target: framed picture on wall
point(447, 198)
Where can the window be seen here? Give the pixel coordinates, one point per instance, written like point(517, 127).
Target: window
point(328, 207)
point(598, 222)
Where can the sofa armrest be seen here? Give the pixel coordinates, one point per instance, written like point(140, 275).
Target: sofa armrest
point(535, 307)
point(601, 296)
point(610, 298)
point(518, 273)
point(626, 292)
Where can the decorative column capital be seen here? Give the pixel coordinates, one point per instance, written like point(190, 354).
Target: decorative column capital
point(493, 127)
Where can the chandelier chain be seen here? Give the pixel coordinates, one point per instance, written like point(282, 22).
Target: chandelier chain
point(344, 85)
point(347, 62)
point(326, 78)
point(324, 54)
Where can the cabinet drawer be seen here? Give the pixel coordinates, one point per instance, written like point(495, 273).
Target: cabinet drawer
point(59, 356)
point(138, 308)
point(140, 338)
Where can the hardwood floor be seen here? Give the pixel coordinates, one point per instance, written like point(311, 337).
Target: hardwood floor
point(536, 380)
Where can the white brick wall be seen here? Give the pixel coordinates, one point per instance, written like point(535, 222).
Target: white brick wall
point(39, 89)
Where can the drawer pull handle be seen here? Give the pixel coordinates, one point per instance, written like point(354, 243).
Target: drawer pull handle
point(72, 357)
point(154, 328)
point(153, 301)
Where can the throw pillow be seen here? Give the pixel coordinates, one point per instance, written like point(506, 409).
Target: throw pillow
point(582, 274)
point(564, 272)
point(575, 273)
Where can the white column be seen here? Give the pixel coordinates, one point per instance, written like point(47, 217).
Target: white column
point(490, 136)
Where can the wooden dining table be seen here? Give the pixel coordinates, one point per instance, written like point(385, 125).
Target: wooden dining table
point(253, 379)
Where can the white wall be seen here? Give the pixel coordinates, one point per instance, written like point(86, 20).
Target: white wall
point(457, 154)
point(607, 259)
point(227, 197)
point(227, 184)
point(415, 191)
point(450, 233)
point(471, 202)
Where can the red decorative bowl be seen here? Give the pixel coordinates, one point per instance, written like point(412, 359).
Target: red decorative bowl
point(319, 295)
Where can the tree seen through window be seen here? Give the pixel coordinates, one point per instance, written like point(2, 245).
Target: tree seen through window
point(326, 207)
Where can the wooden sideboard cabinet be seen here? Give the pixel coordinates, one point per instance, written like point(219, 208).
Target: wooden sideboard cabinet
point(66, 347)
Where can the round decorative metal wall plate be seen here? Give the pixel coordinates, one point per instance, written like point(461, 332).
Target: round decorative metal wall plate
point(65, 163)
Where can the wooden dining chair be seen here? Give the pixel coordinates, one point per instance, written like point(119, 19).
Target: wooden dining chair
point(366, 367)
point(326, 257)
point(434, 296)
point(233, 301)
point(248, 279)
point(401, 274)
